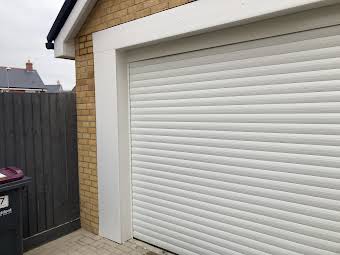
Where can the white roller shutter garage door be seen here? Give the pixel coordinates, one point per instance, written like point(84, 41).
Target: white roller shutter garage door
point(235, 149)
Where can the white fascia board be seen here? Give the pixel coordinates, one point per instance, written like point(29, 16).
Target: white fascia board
point(199, 15)
point(64, 46)
point(195, 18)
point(112, 103)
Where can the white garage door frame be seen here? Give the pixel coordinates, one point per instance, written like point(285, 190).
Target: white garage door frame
point(175, 31)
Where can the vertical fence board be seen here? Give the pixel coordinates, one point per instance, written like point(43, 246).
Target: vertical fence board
point(62, 195)
point(9, 129)
point(30, 168)
point(54, 160)
point(72, 158)
point(38, 135)
point(2, 132)
point(46, 148)
point(19, 132)
point(58, 190)
point(68, 152)
point(20, 149)
point(38, 163)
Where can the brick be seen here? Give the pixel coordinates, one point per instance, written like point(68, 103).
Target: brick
point(127, 18)
point(135, 8)
point(143, 13)
point(160, 7)
point(127, 4)
point(175, 3)
point(82, 51)
point(88, 44)
point(120, 13)
point(82, 39)
point(150, 3)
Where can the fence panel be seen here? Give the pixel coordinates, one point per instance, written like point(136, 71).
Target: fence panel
point(38, 133)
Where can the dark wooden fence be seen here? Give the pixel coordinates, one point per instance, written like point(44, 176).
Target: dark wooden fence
point(38, 135)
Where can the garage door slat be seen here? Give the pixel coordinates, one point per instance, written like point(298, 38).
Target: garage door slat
point(314, 139)
point(250, 194)
point(290, 128)
point(219, 162)
point(308, 66)
point(246, 82)
point(218, 216)
point(292, 98)
point(318, 86)
point(215, 232)
point(321, 195)
point(221, 172)
point(200, 152)
point(265, 207)
point(301, 56)
point(295, 148)
point(317, 39)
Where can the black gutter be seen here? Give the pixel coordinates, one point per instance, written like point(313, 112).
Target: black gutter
point(59, 22)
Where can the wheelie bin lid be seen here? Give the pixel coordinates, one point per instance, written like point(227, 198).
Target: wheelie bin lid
point(10, 174)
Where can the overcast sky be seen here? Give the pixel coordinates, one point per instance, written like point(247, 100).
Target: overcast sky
point(24, 27)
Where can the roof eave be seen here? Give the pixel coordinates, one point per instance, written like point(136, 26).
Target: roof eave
point(64, 42)
point(64, 46)
point(59, 22)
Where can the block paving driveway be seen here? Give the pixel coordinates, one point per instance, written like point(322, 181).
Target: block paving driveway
point(82, 242)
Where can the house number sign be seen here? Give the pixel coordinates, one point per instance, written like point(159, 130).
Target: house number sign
point(4, 202)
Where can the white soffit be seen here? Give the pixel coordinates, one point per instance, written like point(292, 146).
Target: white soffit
point(64, 44)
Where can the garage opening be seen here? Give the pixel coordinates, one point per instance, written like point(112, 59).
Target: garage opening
point(235, 149)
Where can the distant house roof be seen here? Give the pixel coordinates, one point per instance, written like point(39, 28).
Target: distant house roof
point(54, 88)
point(20, 78)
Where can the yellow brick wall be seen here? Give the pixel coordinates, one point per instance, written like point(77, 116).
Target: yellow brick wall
point(105, 14)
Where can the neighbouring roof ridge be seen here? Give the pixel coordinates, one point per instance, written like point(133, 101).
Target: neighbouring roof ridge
point(20, 68)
